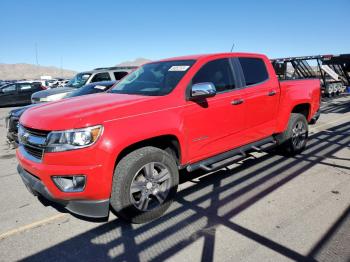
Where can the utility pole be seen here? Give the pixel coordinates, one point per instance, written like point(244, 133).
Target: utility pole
point(36, 57)
point(61, 68)
point(36, 54)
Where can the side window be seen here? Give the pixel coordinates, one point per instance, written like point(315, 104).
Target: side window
point(9, 89)
point(254, 70)
point(119, 75)
point(101, 77)
point(24, 87)
point(217, 72)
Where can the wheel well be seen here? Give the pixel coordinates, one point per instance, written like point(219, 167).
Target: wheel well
point(169, 143)
point(303, 109)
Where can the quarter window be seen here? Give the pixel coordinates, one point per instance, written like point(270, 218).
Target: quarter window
point(24, 87)
point(8, 89)
point(254, 70)
point(101, 77)
point(217, 72)
point(119, 75)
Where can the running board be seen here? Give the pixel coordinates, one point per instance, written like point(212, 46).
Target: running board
point(232, 156)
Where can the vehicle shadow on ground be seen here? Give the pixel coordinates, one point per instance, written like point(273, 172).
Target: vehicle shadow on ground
point(335, 106)
point(213, 200)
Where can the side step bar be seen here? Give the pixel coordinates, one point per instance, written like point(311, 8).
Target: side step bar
point(232, 156)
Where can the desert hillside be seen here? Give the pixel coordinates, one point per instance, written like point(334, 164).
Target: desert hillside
point(28, 71)
point(136, 62)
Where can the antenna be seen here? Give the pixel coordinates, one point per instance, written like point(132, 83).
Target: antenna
point(233, 46)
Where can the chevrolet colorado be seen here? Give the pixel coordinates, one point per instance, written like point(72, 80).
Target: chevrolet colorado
point(123, 150)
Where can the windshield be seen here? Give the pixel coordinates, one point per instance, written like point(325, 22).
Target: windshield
point(154, 79)
point(79, 80)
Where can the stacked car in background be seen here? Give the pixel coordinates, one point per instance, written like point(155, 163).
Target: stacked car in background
point(332, 70)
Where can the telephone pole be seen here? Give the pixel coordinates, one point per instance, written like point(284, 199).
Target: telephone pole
point(36, 54)
point(61, 68)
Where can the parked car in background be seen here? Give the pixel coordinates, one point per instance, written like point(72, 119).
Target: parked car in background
point(81, 79)
point(13, 116)
point(18, 93)
point(123, 149)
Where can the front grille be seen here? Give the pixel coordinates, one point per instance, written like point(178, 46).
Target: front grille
point(34, 151)
point(33, 141)
point(36, 132)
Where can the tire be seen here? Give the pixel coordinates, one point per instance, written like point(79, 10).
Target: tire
point(293, 140)
point(137, 190)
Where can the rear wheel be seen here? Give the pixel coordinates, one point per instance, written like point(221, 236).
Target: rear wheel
point(294, 139)
point(144, 185)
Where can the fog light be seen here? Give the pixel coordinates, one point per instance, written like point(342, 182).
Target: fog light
point(70, 183)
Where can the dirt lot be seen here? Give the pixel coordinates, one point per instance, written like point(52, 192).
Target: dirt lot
point(269, 208)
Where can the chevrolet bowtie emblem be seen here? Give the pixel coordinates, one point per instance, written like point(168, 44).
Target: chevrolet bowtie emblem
point(25, 137)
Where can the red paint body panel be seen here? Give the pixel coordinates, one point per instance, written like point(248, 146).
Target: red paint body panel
point(203, 130)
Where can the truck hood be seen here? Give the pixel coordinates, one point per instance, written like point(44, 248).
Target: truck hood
point(85, 111)
point(53, 91)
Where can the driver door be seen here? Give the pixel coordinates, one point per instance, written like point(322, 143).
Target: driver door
point(214, 125)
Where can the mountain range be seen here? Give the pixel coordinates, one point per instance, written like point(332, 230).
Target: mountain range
point(29, 71)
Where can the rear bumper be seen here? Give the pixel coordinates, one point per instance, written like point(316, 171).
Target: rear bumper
point(86, 208)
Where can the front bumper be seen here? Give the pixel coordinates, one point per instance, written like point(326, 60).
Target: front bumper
point(86, 208)
point(12, 138)
point(12, 130)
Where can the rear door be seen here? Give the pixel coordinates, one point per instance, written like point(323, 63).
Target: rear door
point(214, 125)
point(8, 95)
point(25, 91)
point(99, 77)
point(261, 98)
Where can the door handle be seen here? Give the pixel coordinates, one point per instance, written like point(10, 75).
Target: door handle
point(272, 93)
point(237, 102)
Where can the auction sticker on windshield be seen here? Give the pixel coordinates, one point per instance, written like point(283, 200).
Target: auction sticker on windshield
point(178, 68)
point(100, 87)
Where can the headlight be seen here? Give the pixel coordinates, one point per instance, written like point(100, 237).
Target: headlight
point(53, 97)
point(58, 141)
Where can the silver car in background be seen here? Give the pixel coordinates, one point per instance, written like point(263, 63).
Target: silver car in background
point(81, 79)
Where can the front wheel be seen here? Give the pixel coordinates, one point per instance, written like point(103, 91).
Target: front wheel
point(294, 139)
point(144, 184)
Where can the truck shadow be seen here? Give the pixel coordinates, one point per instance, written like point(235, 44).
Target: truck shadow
point(335, 106)
point(212, 200)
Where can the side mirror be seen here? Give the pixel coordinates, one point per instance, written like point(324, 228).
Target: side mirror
point(202, 90)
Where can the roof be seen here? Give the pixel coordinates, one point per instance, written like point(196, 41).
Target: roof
point(114, 68)
point(200, 56)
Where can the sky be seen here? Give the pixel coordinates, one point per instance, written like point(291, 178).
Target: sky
point(83, 34)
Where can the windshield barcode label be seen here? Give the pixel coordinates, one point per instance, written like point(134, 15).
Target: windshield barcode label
point(178, 68)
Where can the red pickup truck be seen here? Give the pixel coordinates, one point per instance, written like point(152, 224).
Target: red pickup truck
point(123, 150)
